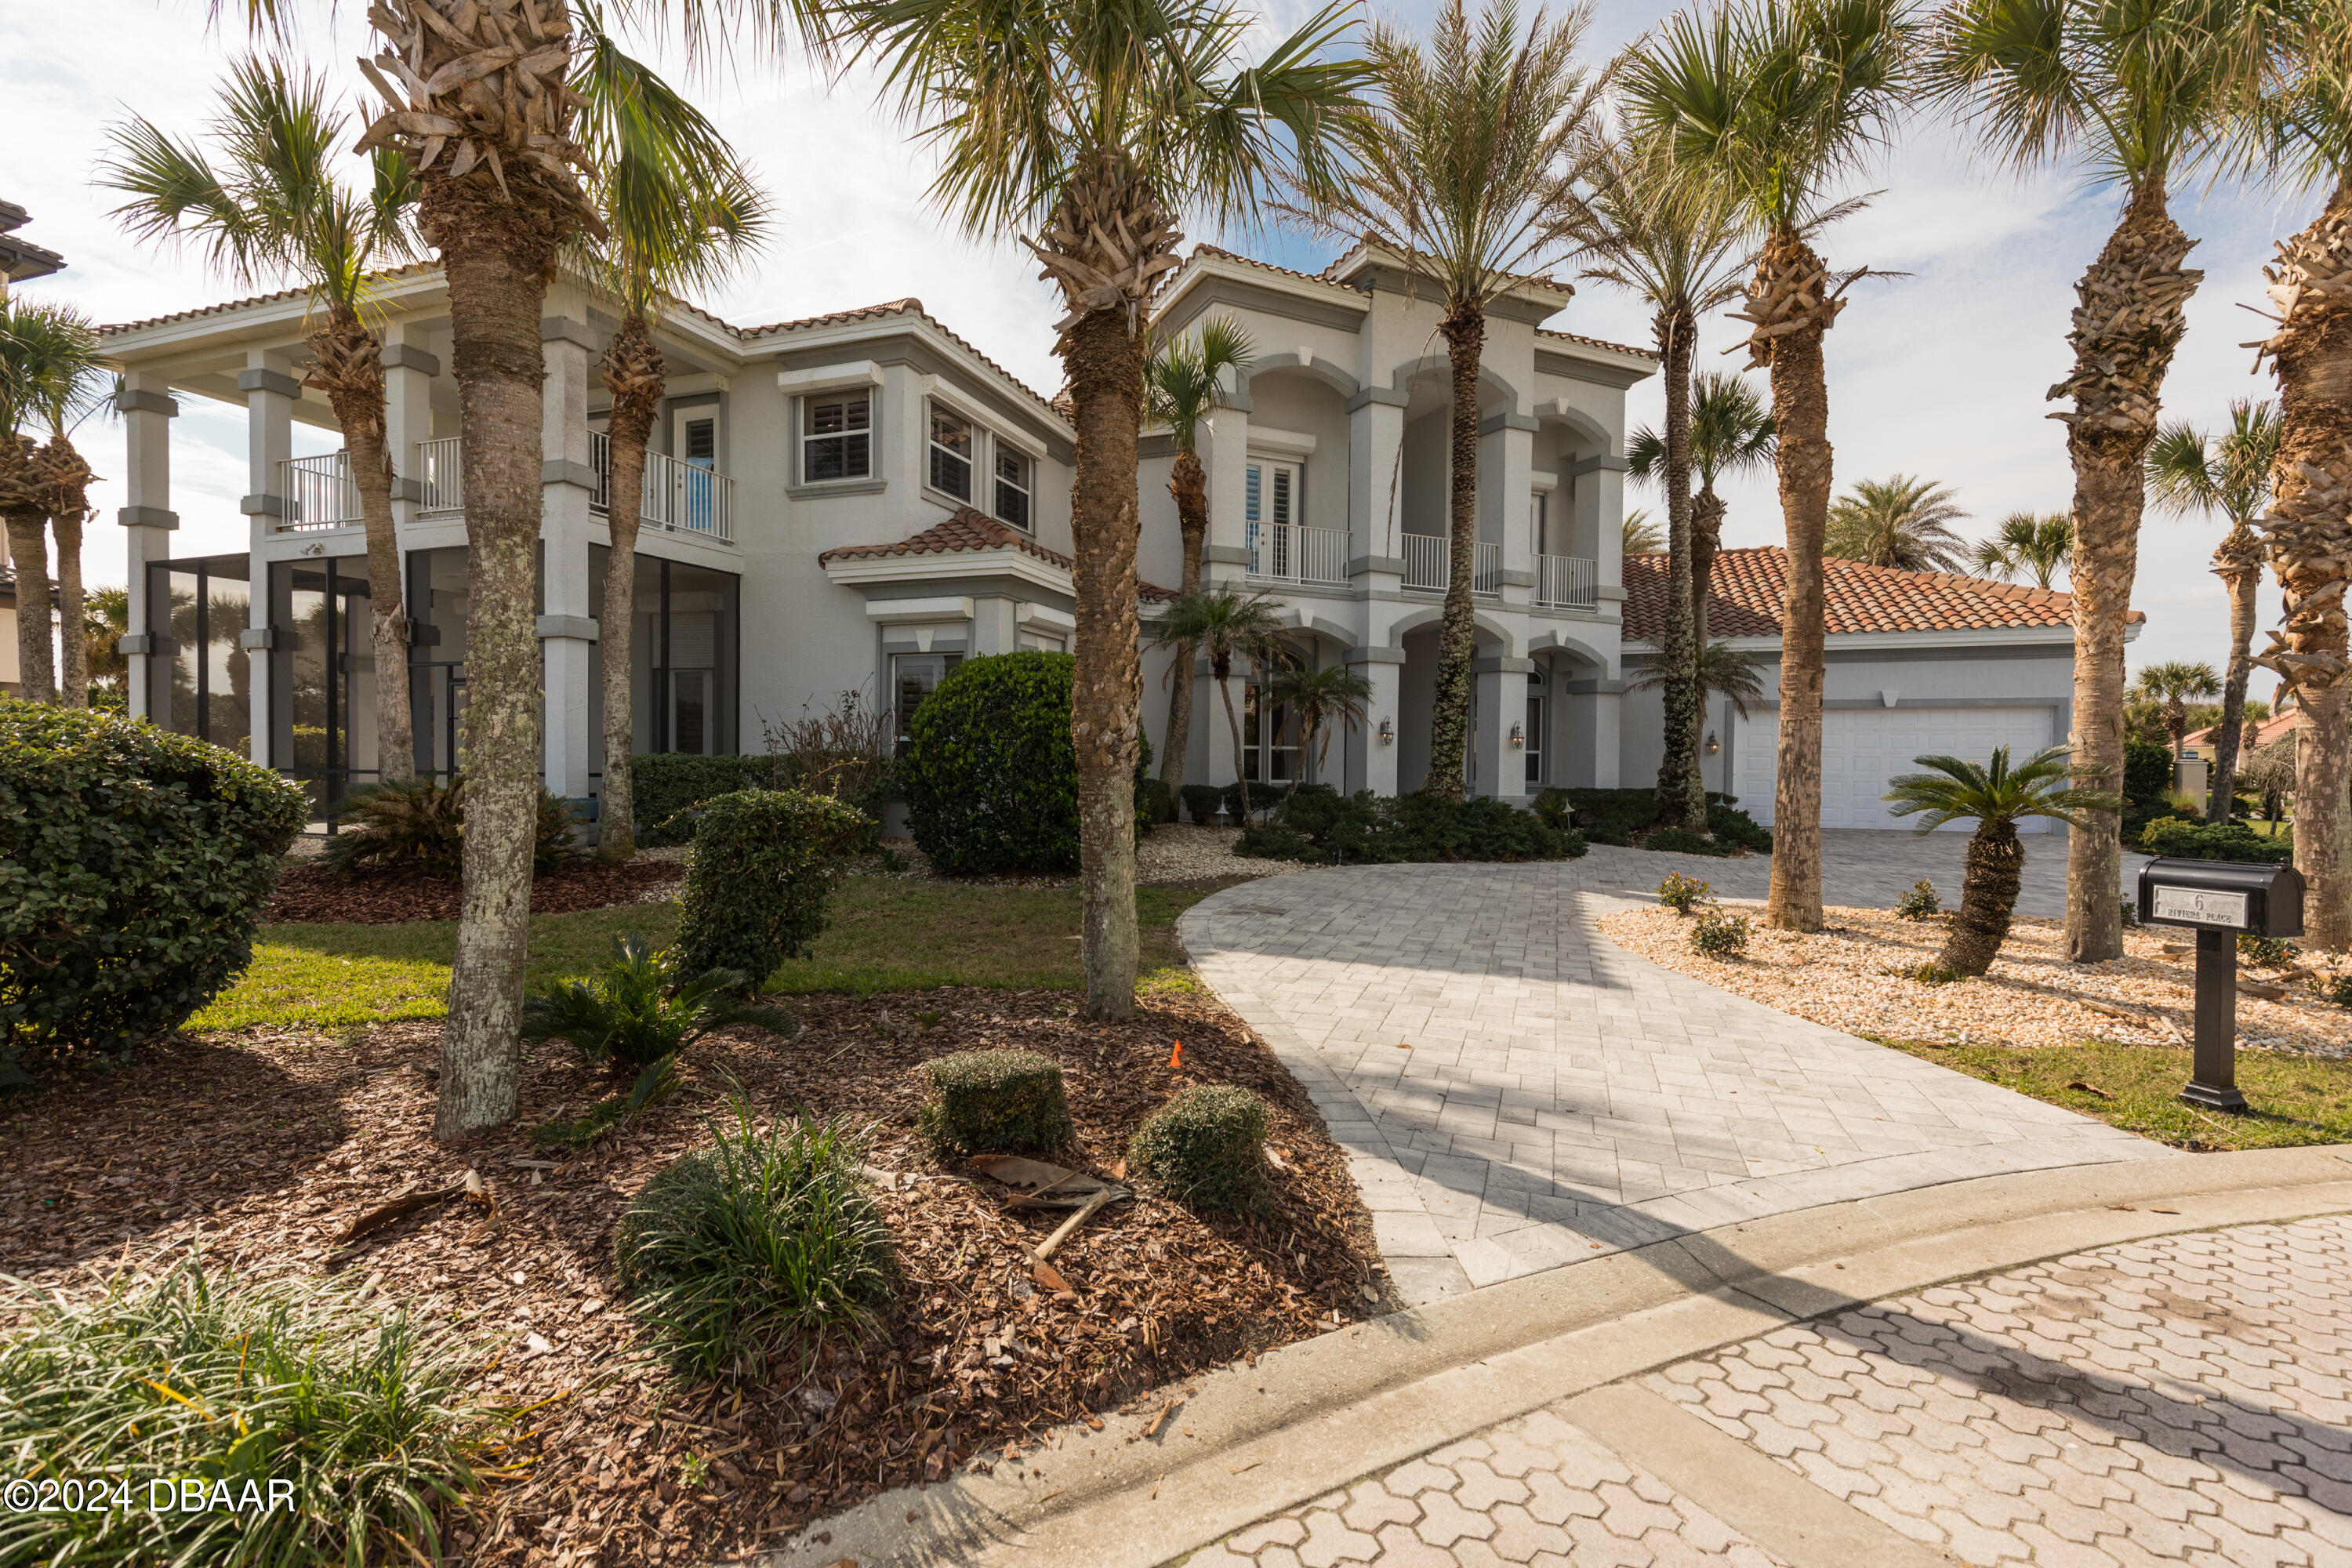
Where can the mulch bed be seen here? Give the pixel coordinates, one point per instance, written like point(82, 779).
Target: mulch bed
point(314, 894)
point(266, 1148)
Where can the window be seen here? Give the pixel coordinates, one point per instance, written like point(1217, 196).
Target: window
point(1543, 518)
point(837, 436)
point(1269, 739)
point(702, 443)
point(1272, 492)
point(950, 453)
point(913, 678)
point(1012, 487)
point(1535, 731)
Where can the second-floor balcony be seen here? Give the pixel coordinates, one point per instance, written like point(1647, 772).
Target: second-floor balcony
point(1566, 582)
point(1428, 559)
point(1294, 553)
point(676, 497)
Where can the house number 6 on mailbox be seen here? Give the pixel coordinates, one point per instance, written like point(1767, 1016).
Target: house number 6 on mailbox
point(2197, 905)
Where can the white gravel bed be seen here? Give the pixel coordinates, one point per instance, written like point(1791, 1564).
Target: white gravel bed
point(1848, 977)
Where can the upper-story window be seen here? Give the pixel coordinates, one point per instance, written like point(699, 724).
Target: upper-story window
point(837, 436)
point(950, 453)
point(1013, 483)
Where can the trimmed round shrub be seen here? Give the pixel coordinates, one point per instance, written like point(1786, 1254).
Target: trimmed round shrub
point(765, 863)
point(1683, 841)
point(134, 865)
point(1730, 824)
point(1205, 1148)
point(664, 783)
point(1203, 802)
point(995, 1102)
point(1323, 825)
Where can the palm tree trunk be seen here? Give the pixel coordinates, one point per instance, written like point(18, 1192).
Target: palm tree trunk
point(73, 648)
point(1789, 299)
point(1682, 792)
point(1105, 361)
point(348, 366)
point(1707, 539)
point(2310, 527)
point(1987, 896)
point(2238, 562)
point(28, 549)
point(498, 258)
point(1190, 486)
point(1465, 329)
point(635, 373)
point(1225, 677)
point(2127, 322)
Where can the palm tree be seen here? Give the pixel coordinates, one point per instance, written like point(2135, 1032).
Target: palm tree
point(1731, 434)
point(680, 213)
point(2135, 94)
point(1722, 672)
point(2174, 685)
point(2307, 122)
point(273, 207)
point(1468, 177)
point(1184, 383)
point(1222, 625)
point(1642, 534)
point(1997, 796)
point(1774, 102)
point(1677, 246)
point(106, 619)
point(66, 478)
point(2230, 474)
point(49, 371)
point(1322, 699)
point(2026, 542)
point(1089, 125)
point(1902, 523)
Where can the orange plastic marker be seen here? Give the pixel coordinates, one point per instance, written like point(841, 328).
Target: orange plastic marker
point(1176, 1057)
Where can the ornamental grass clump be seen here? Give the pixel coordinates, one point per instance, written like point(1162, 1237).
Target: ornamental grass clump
point(1205, 1148)
point(317, 1429)
point(765, 864)
point(994, 1102)
point(761, 1244)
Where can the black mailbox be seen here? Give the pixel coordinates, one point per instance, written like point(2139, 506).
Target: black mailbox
point(2222, 895)
point(2220, 900)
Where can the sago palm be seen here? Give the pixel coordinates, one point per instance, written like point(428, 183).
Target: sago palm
point(2189, 471)
point(1902, 523)
point(1776, 103)
point(1087, 127)
point(271, 207)
point(1183, 384)
point(1730, 434)
point(2135, 95)
point(1997, 797)
point(635, 1009)
point(2173, 686)
point(1221, 625)
point(1321, 700)
point(50, 374)
point(1466, 174)
point(2026, 543)
point(680, 213)
point(1677, 245)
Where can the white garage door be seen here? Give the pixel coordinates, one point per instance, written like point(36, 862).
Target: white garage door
point(1862, 748)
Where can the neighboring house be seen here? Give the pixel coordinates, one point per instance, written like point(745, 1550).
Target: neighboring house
point(2192, 771)
point(20, 259)
point(1916, 663)
point(11, 672)
point(855, 501)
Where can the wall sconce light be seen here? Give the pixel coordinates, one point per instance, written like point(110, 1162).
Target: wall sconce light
point(1388, 731)
point(1519, 736)
point(1713, 745)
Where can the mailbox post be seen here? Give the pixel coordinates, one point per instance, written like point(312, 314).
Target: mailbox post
point(2220, 901)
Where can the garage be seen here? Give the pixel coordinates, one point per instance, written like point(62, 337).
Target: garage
point(1862, 748)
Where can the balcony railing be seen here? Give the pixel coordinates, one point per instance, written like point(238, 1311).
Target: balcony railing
point(1292, 552)
point(1428, 557)
point(436, 467)
point(1566, 582)
point(318, 492)
point(676, 497)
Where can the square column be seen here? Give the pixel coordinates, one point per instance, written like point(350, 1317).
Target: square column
point(148, 520)
point(1224, 457)
point(270, 391)
point(1376, 484)
point(1502, 707)
point(1588, 728)
point(1370, 761)
point(1600, 513)
point(409, 373)
point(567, 632)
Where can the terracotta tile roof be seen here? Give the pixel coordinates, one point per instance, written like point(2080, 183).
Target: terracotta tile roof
point(1749, 585)
point(2276, 725)
point(1597, 343)
point(226, 306)
point(1219, 253)
point(968, 530)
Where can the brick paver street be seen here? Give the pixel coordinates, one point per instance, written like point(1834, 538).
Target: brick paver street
point(2184, 1399)
point(1520, 1093)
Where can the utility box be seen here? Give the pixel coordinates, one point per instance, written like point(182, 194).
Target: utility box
point(2234, 896)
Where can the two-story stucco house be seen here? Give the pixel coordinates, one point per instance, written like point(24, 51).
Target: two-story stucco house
point(855, 501)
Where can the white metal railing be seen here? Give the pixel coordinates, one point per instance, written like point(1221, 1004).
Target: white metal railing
point(1293, 552)
point(436, 467)
point(678, 497)
point(1566, 582)
point(318, 494)
point(1428, 556)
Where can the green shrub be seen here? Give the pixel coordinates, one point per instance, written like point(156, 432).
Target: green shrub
point(1719, 936)
point(421, 826)
point(1276, 842)
point(1324, 825)
point(2147, 772)
point(658, 1082)
point(1683, 841)
point(1553, 808)
point(1152, 802)
point(765, 861)
point(664, 783)
point(2335, 988)
point(1263, 797)
point(134, 865)
point(738, 1251)
point(1613, 816)
point(1682, 894)
point(638, 1007)
point(2219, 841)
point(339, 1433)
point(1205, 1148)
point(1920, 903)
point(2131, 914)
point(1730, 824)
point(995, 1102)
point(2265, 952)
point(1203, 802)
point(1607, 833)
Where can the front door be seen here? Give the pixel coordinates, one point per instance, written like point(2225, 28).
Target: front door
point(694, 440)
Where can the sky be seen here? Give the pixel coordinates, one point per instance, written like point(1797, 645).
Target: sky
point(1940, 371)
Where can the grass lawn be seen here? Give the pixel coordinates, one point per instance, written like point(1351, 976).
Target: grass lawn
point(2293, 1099)
point(887, 935)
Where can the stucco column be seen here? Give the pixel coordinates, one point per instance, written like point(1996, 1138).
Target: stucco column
point(148, 520)
point(567, 633)
point(1224, 457)
point(270, 389)
point(1600, 513)
point(409, 373)
point(1502, 707)
point(1372, 762)
point(1588, 728)
point(1375, 485)
point(1506, 496)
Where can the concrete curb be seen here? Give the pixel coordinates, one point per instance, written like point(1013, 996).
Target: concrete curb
point(1251, 1441)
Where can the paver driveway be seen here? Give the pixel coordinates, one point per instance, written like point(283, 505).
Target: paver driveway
point(1520, 1094)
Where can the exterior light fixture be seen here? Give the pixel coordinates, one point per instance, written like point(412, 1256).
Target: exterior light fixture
point(1519, 736)
point(1713, 745)
point(1388, 731)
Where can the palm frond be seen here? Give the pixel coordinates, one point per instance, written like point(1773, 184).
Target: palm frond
point(1958, 790)
point(1901, 522)
point(1184, 381)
